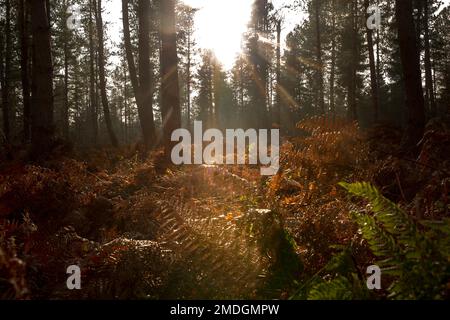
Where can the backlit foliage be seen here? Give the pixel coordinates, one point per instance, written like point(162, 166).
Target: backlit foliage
point(306, 190)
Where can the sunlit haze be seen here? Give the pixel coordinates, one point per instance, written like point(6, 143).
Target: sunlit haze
point(219, 26)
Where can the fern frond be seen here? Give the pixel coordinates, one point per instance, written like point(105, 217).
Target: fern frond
point(417, 259)
point(380, 242)
point(393, 219)
point(339, 288)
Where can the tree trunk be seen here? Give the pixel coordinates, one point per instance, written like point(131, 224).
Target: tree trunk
point(378, 68)
point(142, 87)
point(189, 79)
point(24, 67)
point(2, 79)
point(42, 128)
point(66, 92)
point(278, 76)
point(429, 93)
point(373, 71)
point(320, 89)
point(410, 58)
point(7, 73)
point(102, 76)
point(333, 60)
point(92, 79)
point(170, 94)
point(145, 78)
point(352, 108)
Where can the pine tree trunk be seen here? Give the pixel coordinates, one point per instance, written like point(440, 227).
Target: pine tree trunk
point(352, 107)
point(102, 76)
point(42, 127)
point(320, 68)
point(410, 58)
point(92, 78)
point(278, 76)
point(333, 60)
point(145, 79)
point(2, 79)
point(428, 71)
point(7, 73)
point(24, 67)
point(66, 92)
point(142, 87)
point(170, 94)
point(373, 71)
point(189, 80)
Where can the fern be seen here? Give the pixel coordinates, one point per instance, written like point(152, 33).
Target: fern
point(338, 280)
point(415, 255)
point(339, 288)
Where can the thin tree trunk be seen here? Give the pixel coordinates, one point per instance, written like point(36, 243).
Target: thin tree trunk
point(278, 76)
point(170, 93)
point(379, 77)
point(428, 71)
point(42, 128)
point(66, 92)
point(92, 79)
point(24, 68)
point(352, 110)
point(373, 71)
point(189, 79)
point(102, 76)
point(129, 52)
point(125, 96)
point(410, 58)
point(320, 90)
point(145, 75)
point(333, 60)
point(49, 18)
point(7, 73)
point(142, 87)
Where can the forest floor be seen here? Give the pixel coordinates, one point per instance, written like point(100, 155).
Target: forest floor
point(138, 228)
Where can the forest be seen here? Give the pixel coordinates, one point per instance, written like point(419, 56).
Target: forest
point(93, 205)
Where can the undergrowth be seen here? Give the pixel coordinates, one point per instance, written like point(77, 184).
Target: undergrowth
point(142, 229)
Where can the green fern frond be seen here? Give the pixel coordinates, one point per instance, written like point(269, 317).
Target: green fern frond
point(418, 259)
point(380, 242)
point(393, 219)
point(339, 288)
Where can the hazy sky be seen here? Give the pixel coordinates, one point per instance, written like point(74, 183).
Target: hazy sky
point(219, 23)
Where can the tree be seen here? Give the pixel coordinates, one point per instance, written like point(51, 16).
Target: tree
point(277, 113)
point(333, 58)
point(187, 51)
point(42, 128)
point(410, 59)
point(170, 93)
point(142, 86)
point(102, 75)
point(66, 56)
point(373, 71)
point(240, 83)
point(24, 66)
point(93, 101)
point(429, 93)
point(145, 79)
point(258, 57)
point(320, 98)
point(352, 82)
point(7, 72)
point(204, 99)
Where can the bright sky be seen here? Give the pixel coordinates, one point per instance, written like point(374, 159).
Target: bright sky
point(219, 24)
